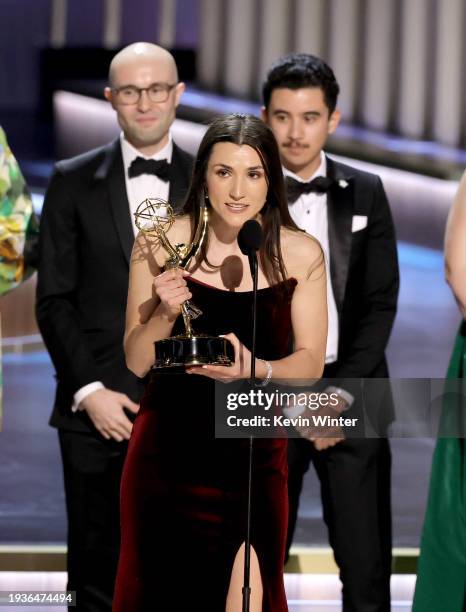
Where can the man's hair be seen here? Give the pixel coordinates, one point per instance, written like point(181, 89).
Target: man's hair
point(298, 70)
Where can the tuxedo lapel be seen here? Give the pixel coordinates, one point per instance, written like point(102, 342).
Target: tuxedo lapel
point(340, 214)
point(112, 171)
point(179, 180)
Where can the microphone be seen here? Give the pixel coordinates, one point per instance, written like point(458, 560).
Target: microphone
point(249, 242)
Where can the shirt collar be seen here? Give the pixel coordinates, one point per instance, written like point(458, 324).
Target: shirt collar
point(321, 170)
point(130, 153)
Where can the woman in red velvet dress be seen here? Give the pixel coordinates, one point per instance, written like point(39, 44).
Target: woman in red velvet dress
point(183, 496)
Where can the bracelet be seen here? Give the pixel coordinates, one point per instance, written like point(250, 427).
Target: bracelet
point(268, 375)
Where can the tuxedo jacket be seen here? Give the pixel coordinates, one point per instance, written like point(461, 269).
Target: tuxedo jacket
point(86, 240)
point(365, 281)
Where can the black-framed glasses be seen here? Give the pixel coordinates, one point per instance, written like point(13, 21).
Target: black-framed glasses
point(130, 94)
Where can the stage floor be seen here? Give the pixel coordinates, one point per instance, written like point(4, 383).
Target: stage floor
point(306, 593)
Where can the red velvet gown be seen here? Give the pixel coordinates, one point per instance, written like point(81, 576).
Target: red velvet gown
point(183, 493)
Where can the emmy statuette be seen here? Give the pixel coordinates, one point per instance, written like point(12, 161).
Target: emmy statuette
point(186, 349)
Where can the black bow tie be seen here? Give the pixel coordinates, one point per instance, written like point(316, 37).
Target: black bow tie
point(159, 167)
point(294, 188)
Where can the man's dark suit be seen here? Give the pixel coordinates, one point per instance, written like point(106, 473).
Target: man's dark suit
point(355, 474)
point(85, 247)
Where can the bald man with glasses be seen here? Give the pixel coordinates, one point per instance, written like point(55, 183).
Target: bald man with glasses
point(87, 233)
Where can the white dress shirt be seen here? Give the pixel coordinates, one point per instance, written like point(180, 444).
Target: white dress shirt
point(145, 185)
point(137, 189)
point(309, 212)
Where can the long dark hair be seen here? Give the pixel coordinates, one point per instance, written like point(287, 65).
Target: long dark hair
point(248, 130)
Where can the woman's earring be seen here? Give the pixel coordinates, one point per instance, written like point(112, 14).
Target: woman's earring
point(206, 197)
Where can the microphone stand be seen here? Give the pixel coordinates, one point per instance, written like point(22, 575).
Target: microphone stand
point(247, 544)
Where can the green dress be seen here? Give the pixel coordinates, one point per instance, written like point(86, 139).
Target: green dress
point(18, 226)
point(441, 580)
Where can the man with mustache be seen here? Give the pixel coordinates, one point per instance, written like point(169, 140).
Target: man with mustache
point(87, 233)
point(347, 211)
